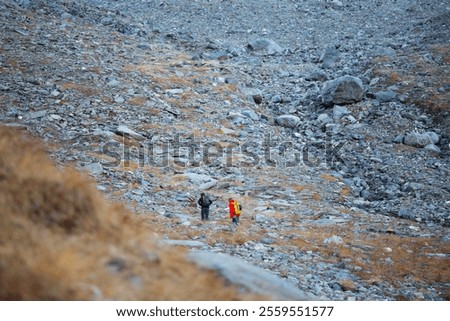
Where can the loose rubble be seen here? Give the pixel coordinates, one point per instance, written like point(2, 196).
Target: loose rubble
point(314, 131)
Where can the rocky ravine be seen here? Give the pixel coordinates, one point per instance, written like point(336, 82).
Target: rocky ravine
point(328, 120)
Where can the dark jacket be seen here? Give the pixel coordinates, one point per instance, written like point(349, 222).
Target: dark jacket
point(204, 201)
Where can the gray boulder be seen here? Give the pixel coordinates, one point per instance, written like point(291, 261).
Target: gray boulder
point(94, 168)
point(385, 96)
point(251, 278)
point(251, 114)
point(317, 75)
point(198, 179)
point(324, 119)
point(329, 57)
point(432, 148)
point(333, 240)
point(339, 112)
point(421, 139)
point(288, 121)
point(125, 131)
point(188, 243)
point(343, 90)
point(264, 47)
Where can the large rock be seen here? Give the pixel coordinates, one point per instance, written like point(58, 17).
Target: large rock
point(125, 131)
point(289, 121)
point(252, 278)
point(385, 96)
point(199, 179)
point(264, 47)
point(421, 139)
point(339, 112)
point(343, 90)
point(188, 243)
point(94, 168)
point(329, 57)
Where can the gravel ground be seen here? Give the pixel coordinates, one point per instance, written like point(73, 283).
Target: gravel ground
point(94, 78)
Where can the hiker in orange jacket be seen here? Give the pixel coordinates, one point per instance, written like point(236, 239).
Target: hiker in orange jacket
point(235, 211)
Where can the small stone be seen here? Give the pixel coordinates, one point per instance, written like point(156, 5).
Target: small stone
point(399, 139)
point(125, 131)
point(257, 99)
point(116, 265)
point(385, 96)
point(328, 57)
point(268, 241)
point(348, 285)
point(94, 168)
point(119, 99)
point(339, 112)
point(317, 75)
point(251, 114)
point(324, 119)
point(288, 121)
point(37, 114)
point(333, 240)
point(55, 117)
point(220, 55)
point(112, 82)
point(175, 91)
point(188, 243)
point(406, 212)
point(276, 99)
point(412, 187)
point(227, 131)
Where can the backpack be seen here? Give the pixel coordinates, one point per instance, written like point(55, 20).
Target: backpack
point(237, 208)
point(206, 203)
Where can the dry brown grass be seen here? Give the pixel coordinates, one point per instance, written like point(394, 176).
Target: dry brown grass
point(316, 197)
point(60, 240)
point(137, 101)
point(87, 90)
point(345, 191)
point(328, 178)
point(430, 74)
point(383, 257)
point(226, 88)
point(408, 258)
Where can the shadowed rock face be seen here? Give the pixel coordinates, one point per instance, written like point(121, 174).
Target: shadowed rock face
point(252, 278)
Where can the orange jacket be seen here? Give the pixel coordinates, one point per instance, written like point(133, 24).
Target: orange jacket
point(234, 210)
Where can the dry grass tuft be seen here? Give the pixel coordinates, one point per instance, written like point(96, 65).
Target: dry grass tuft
point(60, 240)
point(137, 101)
point(84, 89)
point(380, 257)
point(424, 82)
point(328, 178)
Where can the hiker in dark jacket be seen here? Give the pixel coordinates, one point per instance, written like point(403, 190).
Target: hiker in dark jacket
point(204, 201)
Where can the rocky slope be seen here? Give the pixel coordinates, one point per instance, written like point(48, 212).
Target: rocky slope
point(327, 120)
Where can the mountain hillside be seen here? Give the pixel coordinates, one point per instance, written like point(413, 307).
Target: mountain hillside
point(327, 120)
